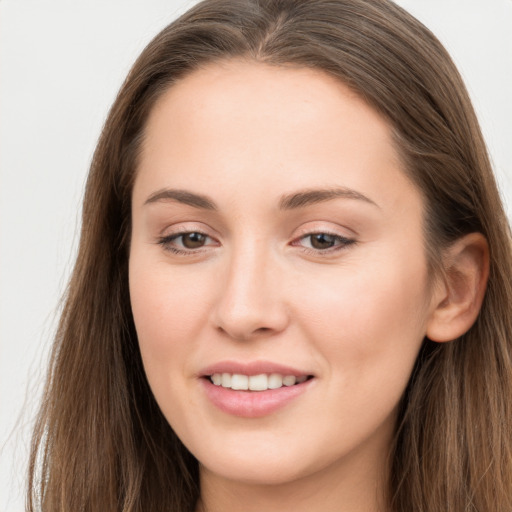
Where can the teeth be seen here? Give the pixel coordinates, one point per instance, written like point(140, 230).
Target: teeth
point(260, 382)
point(275, 381)
point(239, 381)
point(289, 380)
point(226, 380)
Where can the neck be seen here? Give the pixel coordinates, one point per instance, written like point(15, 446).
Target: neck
point(347, 487)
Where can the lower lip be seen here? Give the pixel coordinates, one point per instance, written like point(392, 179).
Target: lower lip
point(252, 404)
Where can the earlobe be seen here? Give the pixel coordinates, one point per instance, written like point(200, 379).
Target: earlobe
point(459, 297)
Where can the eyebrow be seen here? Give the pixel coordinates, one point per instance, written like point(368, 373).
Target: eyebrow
point(184, 197)
point(308, 197)
point(297, 200)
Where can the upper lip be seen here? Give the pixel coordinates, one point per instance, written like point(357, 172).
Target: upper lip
point(251, 368)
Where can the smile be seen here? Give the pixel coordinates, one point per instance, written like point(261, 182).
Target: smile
point(261, 382)
point(255, 389)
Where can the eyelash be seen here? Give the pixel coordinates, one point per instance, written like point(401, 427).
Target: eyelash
point(166, 242)
point(341, 243)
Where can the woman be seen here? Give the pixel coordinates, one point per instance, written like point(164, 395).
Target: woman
point(293, 288)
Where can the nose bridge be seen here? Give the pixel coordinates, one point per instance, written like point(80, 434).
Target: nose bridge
point(249, 302)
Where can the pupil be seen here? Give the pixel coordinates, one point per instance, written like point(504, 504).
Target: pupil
point(322, 241)
point(193, 240)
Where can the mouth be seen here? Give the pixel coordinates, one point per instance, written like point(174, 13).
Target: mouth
point(260, 382)
point(256, 389)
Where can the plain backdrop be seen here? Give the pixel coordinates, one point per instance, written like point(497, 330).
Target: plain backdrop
point(61, 64)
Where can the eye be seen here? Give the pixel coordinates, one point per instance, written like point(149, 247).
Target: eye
point(323, 242)
point(186, 242)
point(192, 240)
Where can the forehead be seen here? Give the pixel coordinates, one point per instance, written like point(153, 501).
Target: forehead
point(250, 94)
point(240, 122)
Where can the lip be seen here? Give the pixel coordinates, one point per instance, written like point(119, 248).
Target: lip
point(251, 368)
point(252, 404)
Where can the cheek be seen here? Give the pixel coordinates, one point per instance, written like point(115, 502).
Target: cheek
point(168, 312)
point(372, 322)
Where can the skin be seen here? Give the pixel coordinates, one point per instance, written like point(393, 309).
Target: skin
point(354, 316)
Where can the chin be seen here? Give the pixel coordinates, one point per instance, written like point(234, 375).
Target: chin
point(265, 473)
point(264, 462)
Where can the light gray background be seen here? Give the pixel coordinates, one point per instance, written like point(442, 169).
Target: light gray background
point(61, 63)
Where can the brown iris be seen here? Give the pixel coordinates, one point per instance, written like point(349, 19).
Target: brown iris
point(322, 241)
point(193, 240)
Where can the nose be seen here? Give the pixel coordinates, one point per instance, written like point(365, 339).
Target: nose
point(251, 303)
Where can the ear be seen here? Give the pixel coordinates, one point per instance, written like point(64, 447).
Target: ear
point(459, 295)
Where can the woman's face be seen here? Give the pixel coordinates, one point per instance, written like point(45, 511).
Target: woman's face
point(276, 239)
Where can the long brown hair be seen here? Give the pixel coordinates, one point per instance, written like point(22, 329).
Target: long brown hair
point(101, 442)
